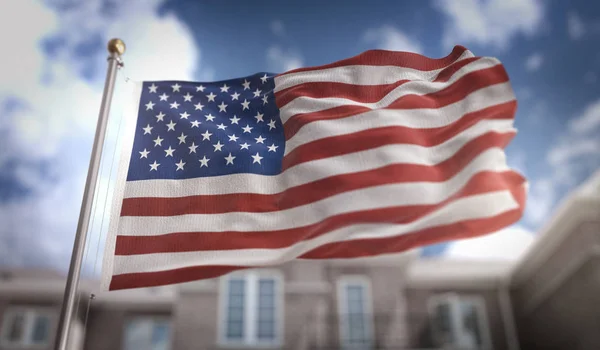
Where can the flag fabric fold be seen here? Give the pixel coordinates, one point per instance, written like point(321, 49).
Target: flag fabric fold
point(376, 154)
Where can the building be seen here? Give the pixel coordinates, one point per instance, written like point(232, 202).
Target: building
point(548, 300)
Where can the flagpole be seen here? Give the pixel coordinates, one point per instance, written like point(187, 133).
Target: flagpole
point(116, 48)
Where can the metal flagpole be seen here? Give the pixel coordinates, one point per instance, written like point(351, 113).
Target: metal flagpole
point(116, 48)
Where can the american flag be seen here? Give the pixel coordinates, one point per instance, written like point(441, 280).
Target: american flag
point(372, 155)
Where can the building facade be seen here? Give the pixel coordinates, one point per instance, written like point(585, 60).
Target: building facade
point(548, 300)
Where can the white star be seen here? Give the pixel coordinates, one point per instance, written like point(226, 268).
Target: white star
point(256, 158)
point(158, 141)
point(265, 99)
point(152, 88)
point(233, 138)
point(163, 97)
point(271, 124)
point(181, 138)
point(264, 78)
point(148, 129)
point(171, 126)
point(169, 152)
point(218, 146)
point(154, 166)
point(259, 117)
point(234, 120)
point(224, 88)
point(184, 115)
point(246, 84)
point(200, 88)
point(211, 97)
point(257, 93)
point(209, 117)
point(195, 123)
point(144, 154)
point(149, 105)
point(206, 136)
point(159, 117)
point(199, 106)
point(204, 161)
point(180, 164)
point(229, 159)
point(174, 105)
point(187, 97)
point(222, 107)
point(244, 146)
point(193, 148)
point(235, 96)
point(175, 87)
point(247, 128)
point(272, 148)
point(260, 139)
point(245, 105)
point(221, 126)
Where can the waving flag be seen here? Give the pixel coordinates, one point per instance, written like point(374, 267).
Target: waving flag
point(375, 154)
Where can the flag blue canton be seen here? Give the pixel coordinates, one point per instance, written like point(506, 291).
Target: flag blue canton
point(188, 129)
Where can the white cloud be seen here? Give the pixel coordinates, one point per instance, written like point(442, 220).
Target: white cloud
point(57, 124)
point(560, 155)
point(507, 244)
point(577, 150)
point(534, 62)
point(280, 60)
point(588, 121)
point(158, 48)
point(277, 28)
point(491, 22)
point(575, 26)
point(540, 200)
point(390, 38)
point(24, 62)
point(574, 155)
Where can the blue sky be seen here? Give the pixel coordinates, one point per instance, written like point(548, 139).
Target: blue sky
point(50, 89)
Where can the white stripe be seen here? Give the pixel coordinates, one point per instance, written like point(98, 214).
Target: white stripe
point(468, 208)
point(315, 170)
point(409, 193)
point(359, 75)
point(305, 104)
point(416, 118)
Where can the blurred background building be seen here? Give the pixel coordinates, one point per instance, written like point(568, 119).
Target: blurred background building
point(547, 300)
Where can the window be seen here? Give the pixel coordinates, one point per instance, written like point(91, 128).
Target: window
point(251, 309)
point(26, 327)
point(152, 333)
point(459, 321)
point(355, 312)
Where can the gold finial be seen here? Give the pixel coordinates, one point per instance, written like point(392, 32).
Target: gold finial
point(116, 46)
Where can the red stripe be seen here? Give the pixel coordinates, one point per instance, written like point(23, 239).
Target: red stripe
point(391, 58)
point(314, 191)
point(464, 86)
point(457, 91)
point(482, 182)
point(461, 230)
point(373, 138)
point(351, 249)
point(388, 245)
point(294, 124)
point(448, 72)
point(359, 93)
point(161, 278)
